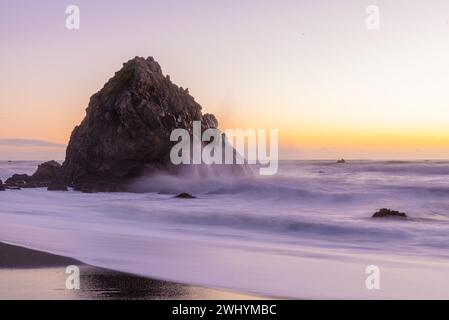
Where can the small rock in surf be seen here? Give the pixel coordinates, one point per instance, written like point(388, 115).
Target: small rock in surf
point(185, 195)
point(387, 213)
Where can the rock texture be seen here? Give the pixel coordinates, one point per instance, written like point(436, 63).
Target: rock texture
point(57, 185)
point(23, 181)
point(47, 173)
point(2, 187)
point(387, 213)
point(127, 127)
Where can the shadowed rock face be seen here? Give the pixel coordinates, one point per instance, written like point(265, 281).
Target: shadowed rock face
point(127, 127)
point(47, 171)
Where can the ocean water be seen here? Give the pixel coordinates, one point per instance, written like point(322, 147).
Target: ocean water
point(303, 233)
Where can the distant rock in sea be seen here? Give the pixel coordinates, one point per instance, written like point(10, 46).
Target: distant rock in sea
point(127, 128)
point(185, 195)
point(387, 213)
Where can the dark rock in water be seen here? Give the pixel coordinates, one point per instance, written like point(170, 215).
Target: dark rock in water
point(185, 195)
point(46, 173)
point(2, 187)
point(387, 213)
point(127, 128)
point(341, 161)
point(21, 181)
point(57, 186)
point(18, 178)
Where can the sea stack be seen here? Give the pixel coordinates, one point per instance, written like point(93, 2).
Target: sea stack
point(127, 127)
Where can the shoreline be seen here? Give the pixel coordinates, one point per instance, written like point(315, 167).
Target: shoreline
point(36, 275)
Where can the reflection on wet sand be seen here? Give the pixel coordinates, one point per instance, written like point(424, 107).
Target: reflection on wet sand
point(30, 274)
point(97, 283)
point(104, 284)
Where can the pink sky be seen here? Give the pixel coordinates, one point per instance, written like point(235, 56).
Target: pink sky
point(309, 68)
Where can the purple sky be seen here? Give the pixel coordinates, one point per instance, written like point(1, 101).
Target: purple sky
point(309, 68)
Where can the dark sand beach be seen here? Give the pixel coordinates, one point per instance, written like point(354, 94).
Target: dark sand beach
point(30, 274)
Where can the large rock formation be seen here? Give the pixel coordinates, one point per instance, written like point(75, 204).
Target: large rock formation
point(127, 127)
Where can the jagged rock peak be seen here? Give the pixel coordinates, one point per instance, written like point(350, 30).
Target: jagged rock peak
point(139, 73)
point(128, 125)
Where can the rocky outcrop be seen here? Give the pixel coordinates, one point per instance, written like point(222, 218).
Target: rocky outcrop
point(23, 181)
point(387, 213)
point(2, 187)
point(127, 127)
point(185, 195)
point(47, 173)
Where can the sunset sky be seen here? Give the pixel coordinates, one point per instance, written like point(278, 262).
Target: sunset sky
point(312, 69)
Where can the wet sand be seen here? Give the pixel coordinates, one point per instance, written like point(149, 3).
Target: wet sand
point(30, 274)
